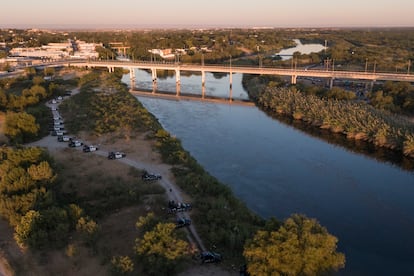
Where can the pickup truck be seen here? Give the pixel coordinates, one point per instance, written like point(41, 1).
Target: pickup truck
point(116, 155)
point(89, 148)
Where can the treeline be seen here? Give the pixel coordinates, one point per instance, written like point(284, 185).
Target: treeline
point(353, 119)
point(396, 97)
point(27, 201)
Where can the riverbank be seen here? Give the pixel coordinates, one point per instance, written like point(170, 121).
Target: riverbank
point(356, 121)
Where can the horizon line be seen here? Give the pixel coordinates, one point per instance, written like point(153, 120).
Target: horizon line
point(184, 26)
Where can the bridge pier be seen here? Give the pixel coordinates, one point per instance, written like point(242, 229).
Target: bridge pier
point(293, 79)
point(132, 73)
point(203, 78)
point(177, 82)
point(154, 79)
point(331, 83)
point(369, 86)
point(177, 89)
point(132, 83)
point(154, 87)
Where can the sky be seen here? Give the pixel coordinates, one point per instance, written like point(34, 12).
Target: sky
point(205, 13)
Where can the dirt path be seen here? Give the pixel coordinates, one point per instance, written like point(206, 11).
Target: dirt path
point(173, 192)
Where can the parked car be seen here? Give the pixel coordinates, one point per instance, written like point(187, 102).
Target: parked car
point(116, 155)
point(58, 132)
point(89, 148)
point(150, 176)
point(62, 138)
point(174, 207)
point(182, 222)
point(210, 257)
point(75, 143)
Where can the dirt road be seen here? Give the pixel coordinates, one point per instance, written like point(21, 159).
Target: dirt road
point(173, 192)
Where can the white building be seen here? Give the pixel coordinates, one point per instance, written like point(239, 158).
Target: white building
point(70, 49)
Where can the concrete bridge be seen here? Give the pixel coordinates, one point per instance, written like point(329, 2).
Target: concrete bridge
point(293, 73)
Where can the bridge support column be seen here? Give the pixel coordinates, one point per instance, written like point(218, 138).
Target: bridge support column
point(177, 82)
point(331, 83)
point(154, 79)
point(132, 73)
point(132, 83)
point(203, 83)
point(293, 79)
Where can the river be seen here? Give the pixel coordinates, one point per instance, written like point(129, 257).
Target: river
point(278, 170)
point(287, 53)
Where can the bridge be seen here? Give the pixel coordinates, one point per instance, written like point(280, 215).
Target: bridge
point(330, 75)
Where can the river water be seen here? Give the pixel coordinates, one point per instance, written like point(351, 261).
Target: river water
point(278, 170)
point(287, 53)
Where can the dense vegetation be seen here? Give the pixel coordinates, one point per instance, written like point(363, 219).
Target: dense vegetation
point(355, 120)
point(28, 201)
point(301, 246)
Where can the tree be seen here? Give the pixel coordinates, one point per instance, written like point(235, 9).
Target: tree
point(301, 246)
point(122, 265)
point(25, 229)
point(20, 126)
point(161, 250)
point(89, 230)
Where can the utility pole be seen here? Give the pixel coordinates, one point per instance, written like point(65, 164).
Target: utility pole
point(409, 65)
point(375, 65)
point(366, 65)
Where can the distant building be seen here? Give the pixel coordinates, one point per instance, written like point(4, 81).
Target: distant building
point(69, 49)
point(163, 53)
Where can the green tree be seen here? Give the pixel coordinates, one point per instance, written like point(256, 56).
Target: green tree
point(20, 126)
point(122, 265)
point(161, 249)
point(24, 230)
point(301, 246)
point(89, 230)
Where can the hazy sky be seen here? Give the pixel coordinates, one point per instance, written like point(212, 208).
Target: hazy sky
point(206, 13)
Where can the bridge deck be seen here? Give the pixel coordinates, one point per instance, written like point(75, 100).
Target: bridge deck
point(317, 73)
